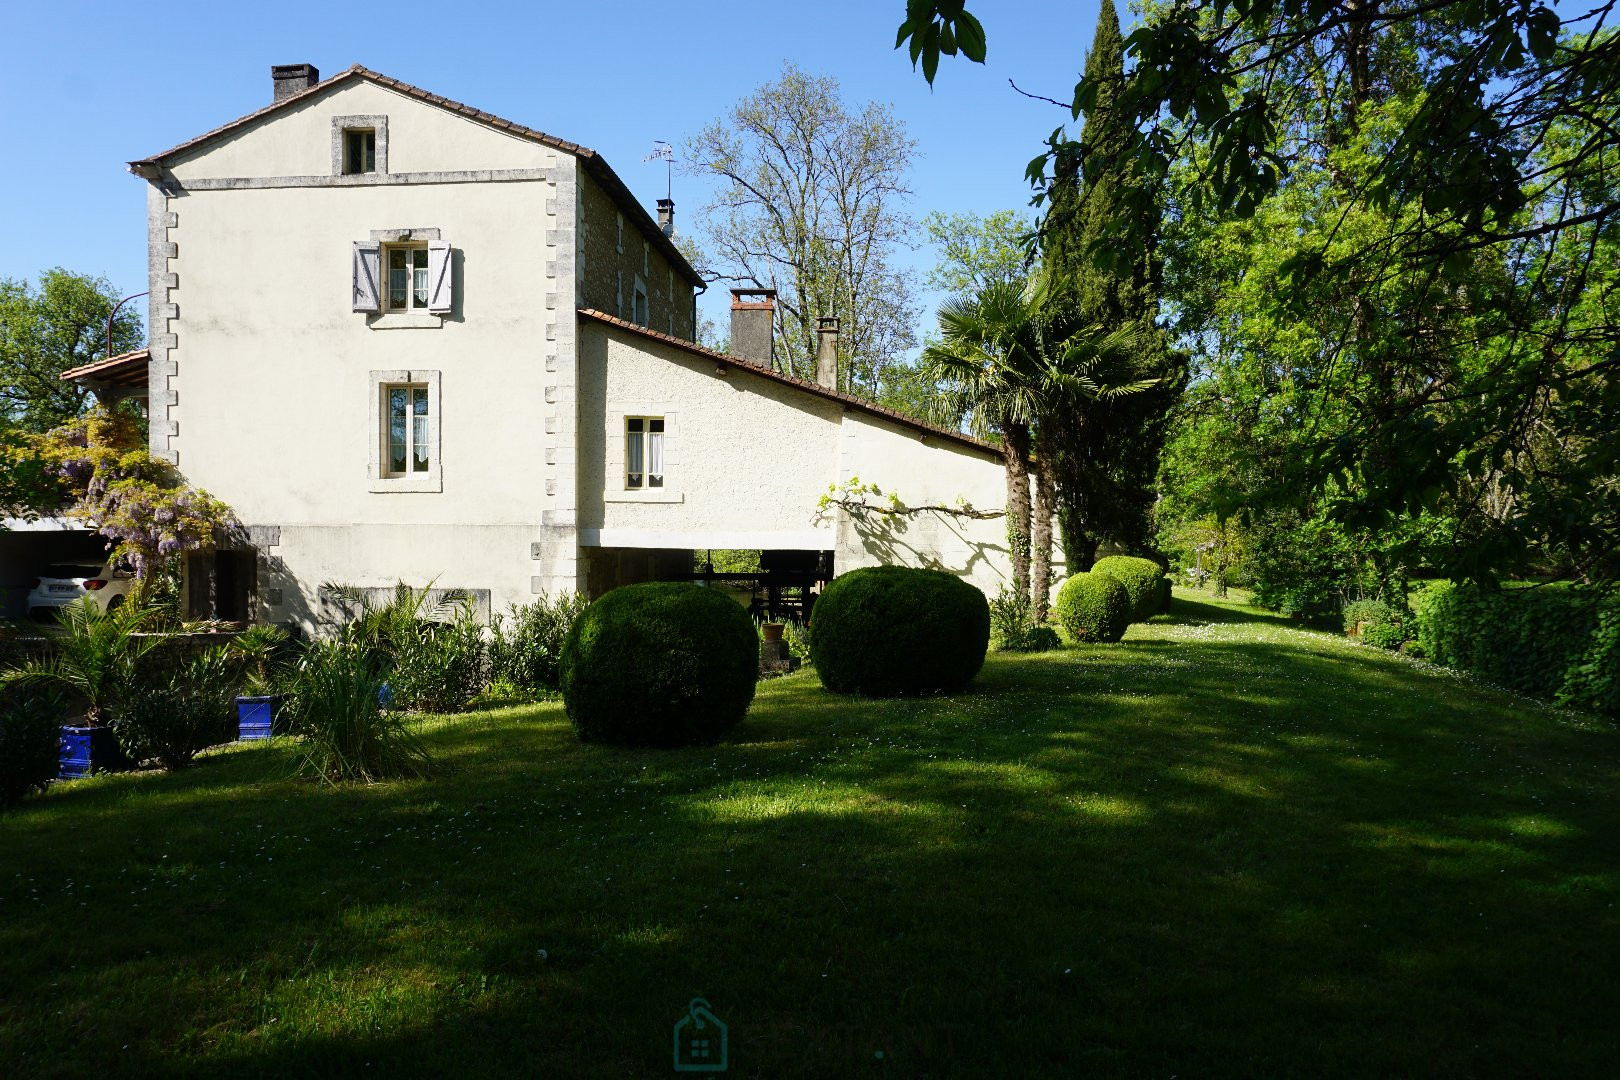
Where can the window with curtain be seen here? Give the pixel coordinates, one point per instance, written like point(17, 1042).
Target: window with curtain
point(408, 278)
point(643, 452)
point(407, 435)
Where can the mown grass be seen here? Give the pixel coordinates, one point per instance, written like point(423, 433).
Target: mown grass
point(1225, 846)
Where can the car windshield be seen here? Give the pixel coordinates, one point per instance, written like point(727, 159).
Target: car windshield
point(71, 571)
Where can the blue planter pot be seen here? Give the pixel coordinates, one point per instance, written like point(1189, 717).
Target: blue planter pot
point(86, 750)
point(258, 718)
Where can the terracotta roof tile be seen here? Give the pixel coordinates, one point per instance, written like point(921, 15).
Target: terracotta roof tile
point(847, 400)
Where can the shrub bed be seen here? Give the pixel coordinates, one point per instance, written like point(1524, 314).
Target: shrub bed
point(30, 726)
point(660, 664)
point(1093, 607)
point(884, 631)
point(1141, 579)
point(1556, 643)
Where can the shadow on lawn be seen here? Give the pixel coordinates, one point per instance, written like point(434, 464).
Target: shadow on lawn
point(1240, 857)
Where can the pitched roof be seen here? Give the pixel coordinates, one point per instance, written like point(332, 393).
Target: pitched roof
point(849, 401)
point(125, 369)
point(594, 163)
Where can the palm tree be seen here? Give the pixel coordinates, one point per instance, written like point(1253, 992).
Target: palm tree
point(1009, 357)
point(96, 657)
point(992, 374)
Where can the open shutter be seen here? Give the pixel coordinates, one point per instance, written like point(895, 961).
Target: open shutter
point(439, 284)
point(367, 272)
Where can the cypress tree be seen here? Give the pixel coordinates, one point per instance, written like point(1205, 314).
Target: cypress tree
point(1105, 453)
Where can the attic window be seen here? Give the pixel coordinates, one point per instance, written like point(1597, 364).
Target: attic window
point(359, 151)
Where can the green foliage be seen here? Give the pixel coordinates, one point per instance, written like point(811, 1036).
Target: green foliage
point(30, 730)
point(1547, 642)
point(1093, 608)
point(260, 651)
point(1141, 578)
point(333, 703)
point(425, 643)
point(1360, 614)
point(1592, 682)
point(976, 252)
point(46, 329)
point(660, 664)
point(1011, 616)
point(884, 631)
point(170, 716)
point(439, 667)
point(96, 658)
point(1036, 639)
point(527, 654)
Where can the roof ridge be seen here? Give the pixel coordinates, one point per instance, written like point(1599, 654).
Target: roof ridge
point(817, 389)
point(604, 174)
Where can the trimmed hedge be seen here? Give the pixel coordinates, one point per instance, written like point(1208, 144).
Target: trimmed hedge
point(1552, 642)
point(1141, 579)
point(884, 631)
point(30, 738)
point(660, 664)
point(1093, 607)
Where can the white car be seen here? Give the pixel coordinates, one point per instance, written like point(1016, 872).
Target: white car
point(108, 585)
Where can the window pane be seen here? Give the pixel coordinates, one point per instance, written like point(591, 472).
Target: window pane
point(419, 429)
point(632, 455)
point(396, 429)
point(656, 424)
point(655, 457)
point(398, 278)
point(420, 286)
point(396, 258)
point(369, 138)
point(633, 424)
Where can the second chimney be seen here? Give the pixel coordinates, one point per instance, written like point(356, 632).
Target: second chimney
point(290, 79)
point(827, 351)
point(753, 318)
point(666, 216)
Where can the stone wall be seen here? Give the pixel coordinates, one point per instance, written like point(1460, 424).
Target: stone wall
point(614, 254)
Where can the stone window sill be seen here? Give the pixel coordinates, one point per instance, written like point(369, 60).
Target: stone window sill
point(404, 322)
point(390, 484)
point(657, 495)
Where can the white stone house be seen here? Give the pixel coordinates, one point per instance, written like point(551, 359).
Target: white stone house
point(408, 340)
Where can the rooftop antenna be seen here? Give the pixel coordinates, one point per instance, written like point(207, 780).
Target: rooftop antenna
point(664, 152)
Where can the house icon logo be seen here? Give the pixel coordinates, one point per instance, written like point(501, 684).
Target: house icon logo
point(700, 1040)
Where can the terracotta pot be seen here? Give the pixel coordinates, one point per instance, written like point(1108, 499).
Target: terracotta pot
point(773, 631)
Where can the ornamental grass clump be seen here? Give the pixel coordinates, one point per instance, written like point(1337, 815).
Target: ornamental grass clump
point(884, 631)
point(660, 664)
point(334, 702)
point(1141, 578)
point(1093, 608)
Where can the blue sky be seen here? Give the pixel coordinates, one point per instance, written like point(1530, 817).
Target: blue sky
point(87, 87)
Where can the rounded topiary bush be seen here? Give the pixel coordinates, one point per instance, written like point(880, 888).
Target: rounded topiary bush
point(1093, 607)
point(1141, 579)
point(889, 630)
point(660, 664)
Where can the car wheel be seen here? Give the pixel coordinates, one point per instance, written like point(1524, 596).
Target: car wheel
point(115, 603)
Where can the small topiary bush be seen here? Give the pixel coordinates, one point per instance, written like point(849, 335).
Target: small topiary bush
point(1141, 579)
point(1037, 639)
point(30, 731)
point(660, 664)
point(884, 631)
point(1093, 607)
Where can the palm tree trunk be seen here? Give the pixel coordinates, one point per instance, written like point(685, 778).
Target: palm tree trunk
point(1015, 445)
point(1041, 530)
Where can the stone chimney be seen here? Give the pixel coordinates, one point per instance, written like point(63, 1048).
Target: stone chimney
point(290, 79)
point(827, 351)
point(666, 216)
point(753, 318)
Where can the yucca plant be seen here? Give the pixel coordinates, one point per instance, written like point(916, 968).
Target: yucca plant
point(96, 657)
point(333, 702)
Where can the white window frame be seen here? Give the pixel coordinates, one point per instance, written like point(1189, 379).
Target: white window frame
point(617, 486)
point(380, 479)
point(411, 307)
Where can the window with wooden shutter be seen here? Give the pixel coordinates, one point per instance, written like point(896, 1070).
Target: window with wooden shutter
point(440, 285)
point(367, 270)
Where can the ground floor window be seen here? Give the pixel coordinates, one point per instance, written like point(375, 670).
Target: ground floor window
point(409, 447)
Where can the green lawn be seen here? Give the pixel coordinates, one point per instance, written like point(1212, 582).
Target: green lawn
point(1225, 846)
